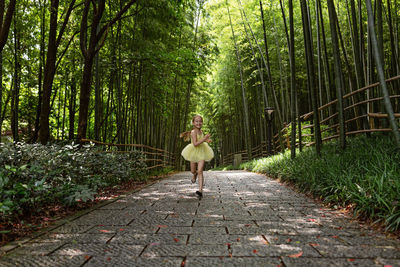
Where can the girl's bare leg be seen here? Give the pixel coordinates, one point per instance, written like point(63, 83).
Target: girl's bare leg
point(200, 168)
point(193, 171)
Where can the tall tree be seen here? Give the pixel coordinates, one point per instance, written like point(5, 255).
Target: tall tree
point(50, 67)
point(338, 73)
point(292, 81)
point(311, 80)
point(89, 49)
point(5, 23)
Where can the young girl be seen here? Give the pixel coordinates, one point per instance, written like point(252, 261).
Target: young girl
point(198, 151)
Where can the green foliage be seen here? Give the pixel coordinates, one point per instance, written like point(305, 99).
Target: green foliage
point(306, 135)
point(161, 172)
point(365, 176)
point(34, 175)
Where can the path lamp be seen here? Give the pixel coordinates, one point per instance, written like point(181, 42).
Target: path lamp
point(269, 112)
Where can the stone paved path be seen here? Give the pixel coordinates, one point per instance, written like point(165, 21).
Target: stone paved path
point(244, 219)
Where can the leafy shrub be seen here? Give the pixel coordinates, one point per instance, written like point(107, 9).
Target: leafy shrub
point(33, 175)
point(308, 135)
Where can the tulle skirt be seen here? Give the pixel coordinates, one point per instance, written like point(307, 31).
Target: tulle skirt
point(196, 154)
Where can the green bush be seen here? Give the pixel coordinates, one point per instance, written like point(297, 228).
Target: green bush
point(366, 175)
point(307, 131)
point(34, 175)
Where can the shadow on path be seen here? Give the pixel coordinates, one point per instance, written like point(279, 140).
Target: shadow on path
point(243, 219)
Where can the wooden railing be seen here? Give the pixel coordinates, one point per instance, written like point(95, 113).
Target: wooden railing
point(155, 157)
point(330, 125)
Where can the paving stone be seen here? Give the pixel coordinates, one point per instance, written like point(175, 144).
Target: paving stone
point(171, 221)
point(116, 205)
point(225, 239)
point(134, 261)
point(284, 224)
point(362, 241)
point(135, 238)
point(145, 229)
point(117, 249)
point(301, 240)
point(317, 262)
point(71, 228)
point(388, 262)
point(42, 261)
point(74, 238)
point(230, 261)
point(158, 250)
point(239, 250)
point(209, 250)
point(40, 249)
point(340, 251)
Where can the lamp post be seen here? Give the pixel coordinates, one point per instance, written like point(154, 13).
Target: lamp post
point(268, 112)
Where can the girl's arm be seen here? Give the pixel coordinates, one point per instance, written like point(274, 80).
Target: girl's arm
point(198, 142)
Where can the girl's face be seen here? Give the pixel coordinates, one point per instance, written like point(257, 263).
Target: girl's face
point(198, 122)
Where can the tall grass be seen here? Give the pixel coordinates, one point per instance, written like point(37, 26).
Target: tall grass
point(366, 175)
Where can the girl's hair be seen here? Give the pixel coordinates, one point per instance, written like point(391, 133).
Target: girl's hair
point(186, 135)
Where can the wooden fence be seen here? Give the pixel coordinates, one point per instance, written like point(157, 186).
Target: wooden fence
point(155, 157)
point(330, 125)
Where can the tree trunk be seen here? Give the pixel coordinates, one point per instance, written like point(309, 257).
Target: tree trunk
point(310, 68)
point(72, 104)
point(325, 61)
point(268, 66)
point(40, 78)
point(98, 109)
point(49, 72)
point(244, 98)
point(50, 67)
point(15, 95)
point(292, 82)
point(379, 65)
point(338, 73)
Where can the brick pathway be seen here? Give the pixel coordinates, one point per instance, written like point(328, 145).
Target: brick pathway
point(244, 219)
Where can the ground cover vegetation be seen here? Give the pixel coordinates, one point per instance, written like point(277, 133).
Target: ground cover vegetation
point(35, 178)
point(364, 178)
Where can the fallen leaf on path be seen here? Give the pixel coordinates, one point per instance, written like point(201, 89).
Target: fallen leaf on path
point(176, 239)
point(351, 259)
point(297, 255)
point(87, 257)
point(104, 231)
point(254, 250)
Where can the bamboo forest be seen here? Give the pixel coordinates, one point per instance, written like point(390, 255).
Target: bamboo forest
point(95, 95)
